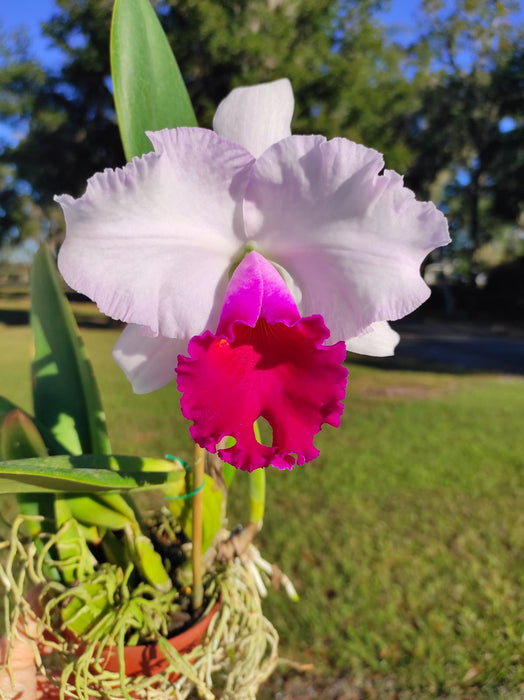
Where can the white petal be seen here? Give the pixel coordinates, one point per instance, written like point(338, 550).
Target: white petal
point(152, 243)
point(352, 239)
point(256, 116)
point(379, 340)
point(148, 361)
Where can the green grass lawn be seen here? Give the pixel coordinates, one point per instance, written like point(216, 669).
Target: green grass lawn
point(404, 538)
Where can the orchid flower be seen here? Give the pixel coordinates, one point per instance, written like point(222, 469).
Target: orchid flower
point(264, 360)
point(246, 248)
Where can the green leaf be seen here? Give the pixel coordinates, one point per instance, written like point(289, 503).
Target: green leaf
point(84, 474)
point(228, 472)
point(110, 511)
point(65, 394)
point(257, 496)
point(6, 407)
point(81, 612)
point(19, 437)
point(91, 511)
point(71, 548)
point(213, 517)
point(257, 489)
point(149, 90)
point(149, 563)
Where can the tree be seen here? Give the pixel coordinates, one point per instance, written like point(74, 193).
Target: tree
point(19, 78)
point(470, 68)
point(71, 126)
point(347, 81)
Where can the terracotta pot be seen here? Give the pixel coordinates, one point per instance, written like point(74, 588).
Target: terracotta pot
point(147, 659)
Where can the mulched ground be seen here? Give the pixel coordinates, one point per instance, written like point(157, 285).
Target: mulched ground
point(290, 685)
point(306, 686)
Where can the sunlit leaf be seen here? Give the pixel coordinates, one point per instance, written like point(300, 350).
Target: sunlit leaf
point(257, 496)
point(228, 472)
point(89, 510)
point(257, 489)
point(70, 547)
point(83, 474)
point(65, 394)
point(149, 90)
point(82, 611)
point(212, 518)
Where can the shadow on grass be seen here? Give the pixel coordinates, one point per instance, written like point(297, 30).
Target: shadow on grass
point(411, 364)
point(422, 364)
point(453, 348)
point(20, 317)
point(14, 317)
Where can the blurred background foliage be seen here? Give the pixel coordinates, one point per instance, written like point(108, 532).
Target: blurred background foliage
point(445, 109)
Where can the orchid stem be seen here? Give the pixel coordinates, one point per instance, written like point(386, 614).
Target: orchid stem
point(198, 503)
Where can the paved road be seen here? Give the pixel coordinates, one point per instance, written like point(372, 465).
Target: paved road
point(464, 346)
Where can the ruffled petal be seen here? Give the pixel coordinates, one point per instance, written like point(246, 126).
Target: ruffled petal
point(256, 116)
point(379, 340)
point(279, 370)
point(152, 243)
point(351, 239)
point(148, 361)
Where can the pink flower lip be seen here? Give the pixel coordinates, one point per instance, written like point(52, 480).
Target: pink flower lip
point(265, 360)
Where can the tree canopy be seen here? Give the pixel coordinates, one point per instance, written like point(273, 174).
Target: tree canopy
point(467, 137)
point(447, 110)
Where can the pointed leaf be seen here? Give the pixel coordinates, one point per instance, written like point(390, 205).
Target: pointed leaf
point(6, 406)
point(149, 90)
point(83, 474)
point(65, 394)
point(19, 437)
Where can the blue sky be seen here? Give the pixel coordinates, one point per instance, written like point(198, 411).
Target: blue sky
point(15, 14)
point(30, 13)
